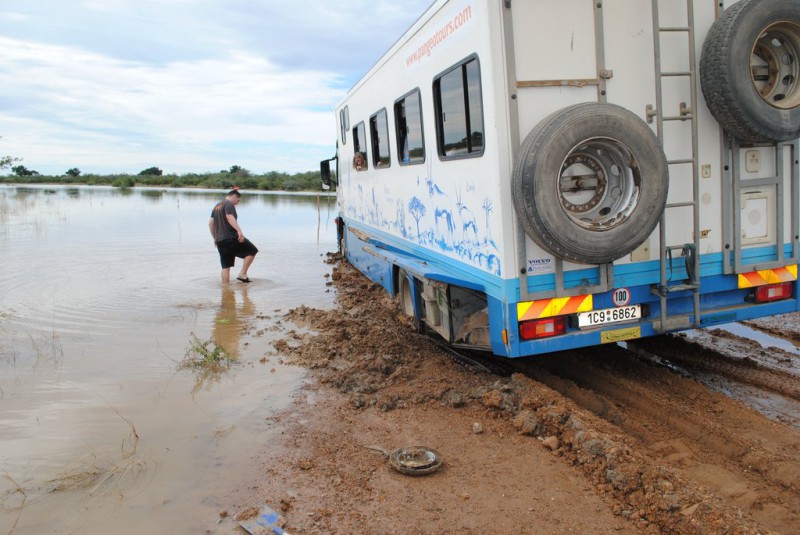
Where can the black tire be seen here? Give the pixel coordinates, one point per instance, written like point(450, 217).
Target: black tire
point(750, 70)
point(590, 183)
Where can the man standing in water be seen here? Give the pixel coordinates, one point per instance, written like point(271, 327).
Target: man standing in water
point(229, 238)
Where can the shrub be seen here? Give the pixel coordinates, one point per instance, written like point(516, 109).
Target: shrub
point(124, 182)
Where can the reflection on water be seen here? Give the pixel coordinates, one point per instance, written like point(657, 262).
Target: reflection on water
point(100, 293)
point(233, 311)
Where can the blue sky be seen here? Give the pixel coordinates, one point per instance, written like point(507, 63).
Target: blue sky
point(117, 86)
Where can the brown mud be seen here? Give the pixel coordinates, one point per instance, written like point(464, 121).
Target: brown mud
point(594, 441)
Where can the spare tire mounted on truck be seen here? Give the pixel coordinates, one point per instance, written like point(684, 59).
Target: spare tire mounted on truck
point(590, 183)
point(750, 70)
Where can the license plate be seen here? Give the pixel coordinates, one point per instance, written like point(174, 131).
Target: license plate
point(609, 315)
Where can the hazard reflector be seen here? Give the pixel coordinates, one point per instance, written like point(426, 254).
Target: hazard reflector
point(559, 306)
point(768, 276)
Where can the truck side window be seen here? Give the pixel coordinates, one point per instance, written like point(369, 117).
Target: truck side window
point(459, 110)
point(344, 123)
point(408, 127)
point(360, 142)
point(379, 132)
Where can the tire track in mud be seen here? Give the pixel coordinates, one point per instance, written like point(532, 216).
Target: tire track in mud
point(756, 382)
point(753, 371)
point(742, 456)
point(703, 355)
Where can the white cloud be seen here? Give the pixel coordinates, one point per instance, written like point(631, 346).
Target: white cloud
point(12, 16)
point(187, 85)
point(66, 96)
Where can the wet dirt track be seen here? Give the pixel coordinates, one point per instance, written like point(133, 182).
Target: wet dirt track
point(673, 443)
point(738, 454)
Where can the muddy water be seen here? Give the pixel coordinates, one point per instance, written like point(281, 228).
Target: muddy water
point(101, 293)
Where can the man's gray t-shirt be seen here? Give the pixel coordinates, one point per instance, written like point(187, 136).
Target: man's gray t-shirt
point(222, 229)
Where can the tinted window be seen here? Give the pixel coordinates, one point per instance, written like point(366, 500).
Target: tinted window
point(408, 126)
point(379, 130)
point(459, 110)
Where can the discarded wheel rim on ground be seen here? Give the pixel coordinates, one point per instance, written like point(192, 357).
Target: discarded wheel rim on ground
point(415, 460)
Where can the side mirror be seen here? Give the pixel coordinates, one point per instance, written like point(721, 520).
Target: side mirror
point(325, 173)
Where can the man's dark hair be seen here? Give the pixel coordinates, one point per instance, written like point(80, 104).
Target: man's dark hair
point(234, 192)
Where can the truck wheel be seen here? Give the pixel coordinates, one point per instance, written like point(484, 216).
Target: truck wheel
point(341, 231)
point(405, 293)
point(590, 183)
point(750, 70)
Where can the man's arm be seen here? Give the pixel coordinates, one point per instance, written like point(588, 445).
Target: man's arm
point(235, 224)
point(211, 228)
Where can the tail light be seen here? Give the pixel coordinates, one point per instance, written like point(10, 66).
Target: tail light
point(543, 328)
point(773, 292)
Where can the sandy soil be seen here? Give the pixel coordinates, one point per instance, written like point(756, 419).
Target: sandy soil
point(584, 442)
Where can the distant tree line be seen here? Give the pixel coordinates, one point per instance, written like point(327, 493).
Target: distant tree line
point(153, 176)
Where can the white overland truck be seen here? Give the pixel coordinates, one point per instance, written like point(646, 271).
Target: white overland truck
point(531, 176)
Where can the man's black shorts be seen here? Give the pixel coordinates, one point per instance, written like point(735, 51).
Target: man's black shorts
point(230, 249)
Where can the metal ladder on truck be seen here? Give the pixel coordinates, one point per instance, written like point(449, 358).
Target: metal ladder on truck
point(687, 114)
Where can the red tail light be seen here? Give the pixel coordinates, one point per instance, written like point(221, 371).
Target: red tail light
point(543, 328)
point(773, 292)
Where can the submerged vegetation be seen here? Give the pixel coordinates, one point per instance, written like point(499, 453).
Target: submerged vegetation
point(205, 355)
point(209, 360)
point(96, 473)
point(235, 176)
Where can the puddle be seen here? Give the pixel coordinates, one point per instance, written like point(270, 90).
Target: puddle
point(764, 340)
point(101, 293)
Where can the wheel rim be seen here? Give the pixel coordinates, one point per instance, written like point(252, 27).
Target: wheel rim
point(599, 184)
point(406, 299)
point(775, 65)
point(415, 460)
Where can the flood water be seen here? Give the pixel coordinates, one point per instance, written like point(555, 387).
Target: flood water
point(101, 293)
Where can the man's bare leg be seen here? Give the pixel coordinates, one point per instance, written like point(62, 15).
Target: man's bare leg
point(245, 266)
point(226, 275)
